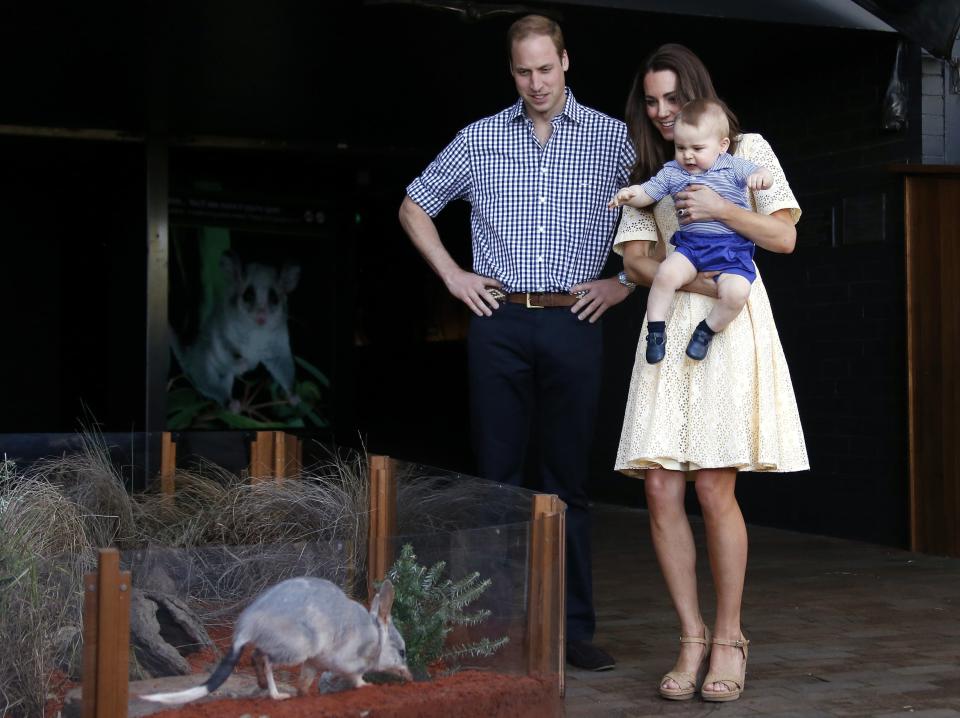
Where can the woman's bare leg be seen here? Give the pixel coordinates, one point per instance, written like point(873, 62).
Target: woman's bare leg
point(674, 545)
point(727, 548)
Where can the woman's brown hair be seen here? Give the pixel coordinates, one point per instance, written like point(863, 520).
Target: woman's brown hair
point(693, 81)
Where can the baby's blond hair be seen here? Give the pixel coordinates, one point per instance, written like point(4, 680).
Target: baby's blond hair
point(702, 111)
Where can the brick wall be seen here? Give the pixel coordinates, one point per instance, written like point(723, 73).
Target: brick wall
point(932, 105)
point(840, 298)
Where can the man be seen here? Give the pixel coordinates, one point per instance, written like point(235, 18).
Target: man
point(538, 176)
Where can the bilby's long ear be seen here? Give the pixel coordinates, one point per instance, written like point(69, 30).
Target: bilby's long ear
point(383, 601)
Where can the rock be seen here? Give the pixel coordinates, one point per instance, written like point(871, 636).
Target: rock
point(157, 580)
point(162, 630)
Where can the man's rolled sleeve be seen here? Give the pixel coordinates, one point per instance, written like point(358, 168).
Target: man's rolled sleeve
point(628, 156)
point(445, 179)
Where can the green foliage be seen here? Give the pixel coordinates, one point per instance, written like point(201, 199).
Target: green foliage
point(263, 404)
point(426, 607)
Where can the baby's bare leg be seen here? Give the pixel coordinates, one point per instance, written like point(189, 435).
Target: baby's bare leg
point(733, 291)
point(674, 272)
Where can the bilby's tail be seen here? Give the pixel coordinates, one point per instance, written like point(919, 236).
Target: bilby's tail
point(216, 679)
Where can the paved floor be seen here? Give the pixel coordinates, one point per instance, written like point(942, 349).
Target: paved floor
point(838, 628)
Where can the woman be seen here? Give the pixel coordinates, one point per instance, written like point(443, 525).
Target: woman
point(704, 421)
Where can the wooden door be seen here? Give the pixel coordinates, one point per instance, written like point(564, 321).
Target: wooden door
point(932, 238)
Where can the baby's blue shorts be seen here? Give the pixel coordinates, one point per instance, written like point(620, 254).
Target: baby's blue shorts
point(724, 253)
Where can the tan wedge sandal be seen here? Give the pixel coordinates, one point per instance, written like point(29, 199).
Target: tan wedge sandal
point(687, 682)
point(731, 694)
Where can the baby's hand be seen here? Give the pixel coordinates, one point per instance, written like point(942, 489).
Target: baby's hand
point(622, 197)
point(761, 179)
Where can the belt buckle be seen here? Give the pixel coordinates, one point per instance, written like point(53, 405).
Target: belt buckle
point(533, 306)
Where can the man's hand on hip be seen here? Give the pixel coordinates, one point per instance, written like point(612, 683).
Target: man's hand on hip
point(601, 294)
point(471, 289)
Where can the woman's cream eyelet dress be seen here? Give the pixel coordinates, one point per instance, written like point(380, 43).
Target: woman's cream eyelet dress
point(736, 408)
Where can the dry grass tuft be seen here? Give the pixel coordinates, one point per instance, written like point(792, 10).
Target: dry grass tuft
point(44, 551)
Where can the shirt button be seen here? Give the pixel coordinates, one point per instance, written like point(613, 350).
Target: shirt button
point(543, 169)
point(543, 200)
point(541, 229)
point(540, 258)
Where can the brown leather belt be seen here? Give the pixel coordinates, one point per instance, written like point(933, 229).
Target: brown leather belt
point(542, 300)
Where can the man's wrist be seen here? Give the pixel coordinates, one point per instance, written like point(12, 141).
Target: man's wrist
point(625, 281)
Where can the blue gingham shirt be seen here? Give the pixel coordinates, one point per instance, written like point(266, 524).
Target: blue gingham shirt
point(539, 217)
point(727, 177)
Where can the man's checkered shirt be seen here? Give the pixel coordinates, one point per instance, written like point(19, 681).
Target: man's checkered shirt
point(539, 217)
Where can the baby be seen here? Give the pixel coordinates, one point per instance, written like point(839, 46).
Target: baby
point(701, 140)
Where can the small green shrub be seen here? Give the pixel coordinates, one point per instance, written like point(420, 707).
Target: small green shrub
point(427, 607)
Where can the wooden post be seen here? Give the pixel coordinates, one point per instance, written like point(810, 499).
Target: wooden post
point(168, 465)
point(279, 456)
point(275, 454)
point(383, 519)
point(261, 456)
point(294, 450)
point(546, 599)
point(106, 634)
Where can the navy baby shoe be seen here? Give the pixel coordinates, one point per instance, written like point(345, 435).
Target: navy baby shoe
point(656, 346)
point(699, 344)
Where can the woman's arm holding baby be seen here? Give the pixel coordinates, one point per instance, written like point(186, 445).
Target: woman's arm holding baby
point(774, 232)
point(641, 260)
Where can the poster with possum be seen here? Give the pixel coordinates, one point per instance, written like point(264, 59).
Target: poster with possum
point(245, 334)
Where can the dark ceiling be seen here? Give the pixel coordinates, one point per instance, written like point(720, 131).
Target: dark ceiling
point(362, 75)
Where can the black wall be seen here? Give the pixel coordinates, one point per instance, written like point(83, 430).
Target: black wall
point(372, 93)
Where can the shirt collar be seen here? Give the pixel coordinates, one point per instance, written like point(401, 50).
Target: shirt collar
point(724, 161)
point(571, 109)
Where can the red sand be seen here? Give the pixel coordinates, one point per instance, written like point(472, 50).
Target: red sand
point(467, 694)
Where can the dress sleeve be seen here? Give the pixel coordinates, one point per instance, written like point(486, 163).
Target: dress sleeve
point(756, 149)
point(635, 224)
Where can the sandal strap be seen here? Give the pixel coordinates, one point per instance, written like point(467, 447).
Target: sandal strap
point(710, 680)
point(704, 640)
point(738, 643)
point(680, 678)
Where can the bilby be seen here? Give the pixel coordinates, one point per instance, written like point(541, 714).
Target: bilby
point(312, 623)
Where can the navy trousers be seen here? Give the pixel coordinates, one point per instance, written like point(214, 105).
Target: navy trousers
point(534, 388)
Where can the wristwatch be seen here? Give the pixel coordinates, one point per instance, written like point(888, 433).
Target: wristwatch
point(625, 281)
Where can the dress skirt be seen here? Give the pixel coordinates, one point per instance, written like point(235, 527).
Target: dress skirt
point(736, 408)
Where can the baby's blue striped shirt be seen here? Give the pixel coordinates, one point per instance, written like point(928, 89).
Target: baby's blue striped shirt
point(727, 177)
